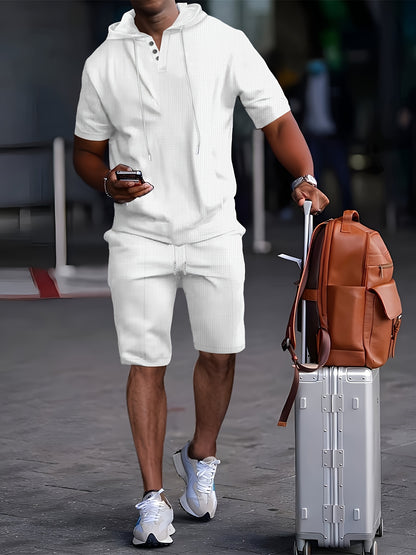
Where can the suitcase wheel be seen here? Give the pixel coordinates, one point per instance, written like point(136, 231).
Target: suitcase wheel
point(373, 550)
point(305, 551)
point(380, 529)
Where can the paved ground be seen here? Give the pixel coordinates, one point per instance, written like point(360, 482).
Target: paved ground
point(69, 479)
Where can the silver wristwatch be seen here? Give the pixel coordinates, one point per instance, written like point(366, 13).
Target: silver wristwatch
point(308, 178)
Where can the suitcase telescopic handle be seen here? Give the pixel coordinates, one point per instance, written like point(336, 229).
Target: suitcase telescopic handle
point(307, 234)
point(308, 226)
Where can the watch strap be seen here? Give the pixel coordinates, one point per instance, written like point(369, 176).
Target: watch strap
point(308, 178)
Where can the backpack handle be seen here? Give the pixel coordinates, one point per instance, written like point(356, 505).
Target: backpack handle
point(348, 217)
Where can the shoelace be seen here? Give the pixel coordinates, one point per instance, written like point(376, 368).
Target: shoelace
point(150, 508)
point(205, 473)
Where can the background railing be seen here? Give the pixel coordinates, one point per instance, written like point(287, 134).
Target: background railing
point(41, 174)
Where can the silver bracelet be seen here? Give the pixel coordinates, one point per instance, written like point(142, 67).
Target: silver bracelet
point(105, 186)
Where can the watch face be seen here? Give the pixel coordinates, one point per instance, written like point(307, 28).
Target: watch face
point(310, 179)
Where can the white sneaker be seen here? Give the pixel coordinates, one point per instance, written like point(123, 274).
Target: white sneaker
point(199, 499)
point(154, 527)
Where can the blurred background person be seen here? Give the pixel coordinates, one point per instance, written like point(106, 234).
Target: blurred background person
point(326, 116)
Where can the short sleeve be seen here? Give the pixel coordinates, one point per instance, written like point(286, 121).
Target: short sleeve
point(92, 122)
point(258, 89)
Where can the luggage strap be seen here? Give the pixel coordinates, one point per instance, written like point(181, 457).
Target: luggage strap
point(289, 344)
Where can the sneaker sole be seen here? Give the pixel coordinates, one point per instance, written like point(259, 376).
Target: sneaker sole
point(184, 504)
point(152, 541)
point(180, 470)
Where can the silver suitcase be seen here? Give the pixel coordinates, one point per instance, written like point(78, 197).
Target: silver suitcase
point(337, 446)
point(338, 469)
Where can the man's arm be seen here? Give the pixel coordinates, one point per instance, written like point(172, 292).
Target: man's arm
point(290, 148)
point(90, 164)
point(89, 161)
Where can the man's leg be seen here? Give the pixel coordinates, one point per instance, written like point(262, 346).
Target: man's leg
point(143, 289)
point(196, 463)
point(213, 286)
point(146, 404)
point(213, 383)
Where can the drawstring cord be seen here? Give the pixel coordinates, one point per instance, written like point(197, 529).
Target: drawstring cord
point(139, 87)
point(198, 132)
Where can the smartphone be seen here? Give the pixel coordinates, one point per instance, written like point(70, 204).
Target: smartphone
point(133, 175)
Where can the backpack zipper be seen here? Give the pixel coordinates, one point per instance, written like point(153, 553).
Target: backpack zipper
point(383, 267)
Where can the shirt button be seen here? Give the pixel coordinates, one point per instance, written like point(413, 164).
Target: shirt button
point(157, 57)
point(151, 43)
point(155, 51)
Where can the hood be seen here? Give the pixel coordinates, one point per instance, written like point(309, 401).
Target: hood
point(189, 15)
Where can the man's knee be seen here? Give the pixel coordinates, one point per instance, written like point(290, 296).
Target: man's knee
point(147, 374)
point(217, 362)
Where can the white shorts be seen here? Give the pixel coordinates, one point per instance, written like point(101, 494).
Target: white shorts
point(144, 276)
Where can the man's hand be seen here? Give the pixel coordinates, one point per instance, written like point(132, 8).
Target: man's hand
point(306, 191)
point(122, 191)
point(90, 164)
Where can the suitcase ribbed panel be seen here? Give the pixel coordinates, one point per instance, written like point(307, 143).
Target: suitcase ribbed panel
point(338, 471)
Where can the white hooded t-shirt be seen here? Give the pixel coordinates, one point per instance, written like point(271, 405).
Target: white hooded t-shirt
point(169, 113)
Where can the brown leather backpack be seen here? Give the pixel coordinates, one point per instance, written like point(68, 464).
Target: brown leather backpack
point(353, 309)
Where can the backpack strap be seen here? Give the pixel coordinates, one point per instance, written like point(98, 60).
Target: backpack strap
point(289, 344)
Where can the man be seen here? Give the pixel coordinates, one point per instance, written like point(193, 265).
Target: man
point(160, 92)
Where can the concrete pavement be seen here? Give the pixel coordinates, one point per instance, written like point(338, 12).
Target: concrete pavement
point(69, 477)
